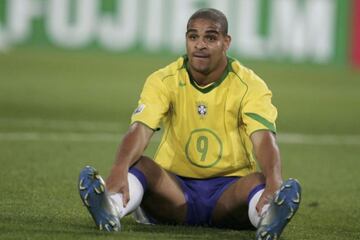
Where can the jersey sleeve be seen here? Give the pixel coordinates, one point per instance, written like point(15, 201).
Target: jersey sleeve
point(258, 112)
point(153, 104)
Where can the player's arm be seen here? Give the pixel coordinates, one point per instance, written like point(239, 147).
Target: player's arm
point(268, 157)
point(130, 150)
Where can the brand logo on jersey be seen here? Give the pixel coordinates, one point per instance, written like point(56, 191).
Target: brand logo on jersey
point(139, 109)
point(202, 109)
point(182, 84)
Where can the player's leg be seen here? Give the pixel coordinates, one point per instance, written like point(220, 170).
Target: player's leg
point(106, 208)
point(164, 199)
point(237, 204)
point(231, 209)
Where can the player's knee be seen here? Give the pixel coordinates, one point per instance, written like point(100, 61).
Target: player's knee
point(146, 165)
point(142, 162)
point(258, 177)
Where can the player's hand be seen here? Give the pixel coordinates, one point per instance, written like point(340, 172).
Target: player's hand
point(265, 199)
point(117, 182)
point(267, 195)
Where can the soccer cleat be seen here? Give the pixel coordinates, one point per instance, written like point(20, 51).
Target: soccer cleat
point(93, 194)
point(282, 208)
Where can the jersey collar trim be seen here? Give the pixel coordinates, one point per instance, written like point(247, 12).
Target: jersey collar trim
point(214, 84)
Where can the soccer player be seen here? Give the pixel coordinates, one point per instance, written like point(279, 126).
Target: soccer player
point(218, 122)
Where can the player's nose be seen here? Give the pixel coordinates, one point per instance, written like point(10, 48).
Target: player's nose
point(200, 44)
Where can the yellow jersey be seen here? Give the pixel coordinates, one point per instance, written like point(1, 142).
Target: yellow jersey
point(206, 129)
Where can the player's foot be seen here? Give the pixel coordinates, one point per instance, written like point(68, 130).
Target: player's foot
point(93, 194)
point(282, 208)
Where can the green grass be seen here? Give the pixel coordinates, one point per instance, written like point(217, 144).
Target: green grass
point(54, 92)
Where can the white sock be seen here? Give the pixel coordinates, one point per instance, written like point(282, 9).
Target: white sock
point(136, 192)
point(254, 216)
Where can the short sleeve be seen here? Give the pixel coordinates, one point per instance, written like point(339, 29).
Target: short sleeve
point(153, 103)
point(258, 112)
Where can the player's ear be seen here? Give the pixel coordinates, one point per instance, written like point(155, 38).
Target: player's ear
point(227, 41)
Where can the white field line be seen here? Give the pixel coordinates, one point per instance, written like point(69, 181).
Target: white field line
point(286, 138)
point(60, 137)
point(87, 131)
point(66, 125)
point(323, 139)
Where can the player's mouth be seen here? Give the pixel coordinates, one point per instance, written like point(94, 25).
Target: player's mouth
point(200, 55)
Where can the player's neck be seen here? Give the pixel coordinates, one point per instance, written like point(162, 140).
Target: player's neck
point(204, 79)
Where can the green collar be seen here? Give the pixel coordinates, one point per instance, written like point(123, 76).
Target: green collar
point(214, 84)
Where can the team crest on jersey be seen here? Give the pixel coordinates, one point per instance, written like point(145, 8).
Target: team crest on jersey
point(139, 109)
point(202, 109)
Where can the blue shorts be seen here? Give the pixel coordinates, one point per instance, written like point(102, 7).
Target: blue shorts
point(201, 196)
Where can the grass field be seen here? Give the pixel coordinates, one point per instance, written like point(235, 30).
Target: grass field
point(60, 111)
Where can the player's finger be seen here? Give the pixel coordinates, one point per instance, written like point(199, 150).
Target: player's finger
point(259, 206)
point(264, 199)
point(126, 197)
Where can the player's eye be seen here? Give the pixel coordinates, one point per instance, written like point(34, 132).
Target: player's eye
point(192, 36)
point(211, 38)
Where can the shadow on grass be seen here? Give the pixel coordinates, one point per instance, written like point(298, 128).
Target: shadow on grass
point(190, 232)
point(44, 227)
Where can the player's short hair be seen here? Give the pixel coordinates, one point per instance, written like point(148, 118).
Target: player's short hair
point(213, 15)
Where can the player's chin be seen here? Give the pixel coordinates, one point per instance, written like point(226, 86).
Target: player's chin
point(201, 69)
point(201, 66)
